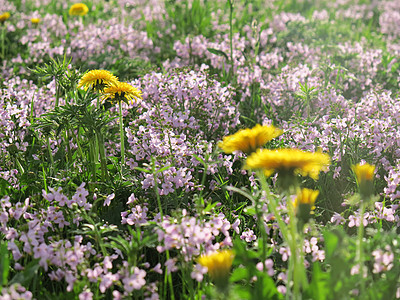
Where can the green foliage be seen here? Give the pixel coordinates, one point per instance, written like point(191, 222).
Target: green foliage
point(4, 264)
point(89, 125)
point(190, 17)
point(248, 282)
point(26, 277)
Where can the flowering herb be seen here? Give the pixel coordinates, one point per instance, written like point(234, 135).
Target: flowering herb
point(35, 20)
point(97, 79)
point(218, 266)
point(292, 161)
point(365, 176)
point(304, 203)
point(4, 17)
point(248, 140)
point(78, 9)
point(121, 91)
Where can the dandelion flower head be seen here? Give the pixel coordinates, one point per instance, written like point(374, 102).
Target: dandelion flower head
point(4, 16)
point(364, 172)
point(78, 9)
point(248, 140)
point(365, 176)
point(122, 91)
point(306, 197)
point(218, 264)
point(35, 20)
point(289, 160)
point(97, 79)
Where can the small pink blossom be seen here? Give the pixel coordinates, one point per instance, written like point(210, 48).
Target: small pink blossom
point(135, 281)
point(107, 202)
point(86, 295)
point(198, 272)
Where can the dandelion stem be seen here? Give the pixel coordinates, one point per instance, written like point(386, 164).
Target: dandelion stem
point(122, 136)
point(260, 220)
point(359, 253)
point(296, 270)
point(3, 32)
point(102, 152)
point(292, 238)
point(273, 206)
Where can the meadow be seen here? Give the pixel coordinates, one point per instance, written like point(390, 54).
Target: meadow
point(196, 149)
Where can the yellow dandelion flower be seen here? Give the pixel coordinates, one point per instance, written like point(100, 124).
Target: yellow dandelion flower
point(97, 79)
point(306, 197)
point(4, 16)
point(78, 9)
point(365, 175)
point(304, 204)
point(364, 172)
point(293, 161)
point(248, 140)
point(122, 91)
point(35, 20)
point(218, 266)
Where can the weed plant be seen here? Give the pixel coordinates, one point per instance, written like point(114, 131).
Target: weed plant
point(166, 183)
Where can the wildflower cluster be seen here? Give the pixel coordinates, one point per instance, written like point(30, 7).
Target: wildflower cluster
point(109, 86)
point(242, 151)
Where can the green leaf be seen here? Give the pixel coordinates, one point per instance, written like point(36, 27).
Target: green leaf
point(163, 169)
point(210, 206)
point(4, 264)
point(318, 288)
point(250, 211)
point(264, 287)
point(218, 52)
point(331, 243)
point(241, 292)
point(142, 170)
point(26, 277)
point(242, 192)
point(239, 274)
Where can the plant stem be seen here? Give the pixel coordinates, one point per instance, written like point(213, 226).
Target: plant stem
point(122, 136)
point(77, 140)
point(296, 242)
point(97, 234)
point(260, 220)
point(231, 34)
point(57, 93)
point(3, 32)
point(44, 179)
point(67, 139)
point(102, 152)
point(168, 277)
point(359, 253)
point(273, 206)
point(153, 170)
point(92, 158)
point(50, 154)
point(292, 238)
point(32, 110)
